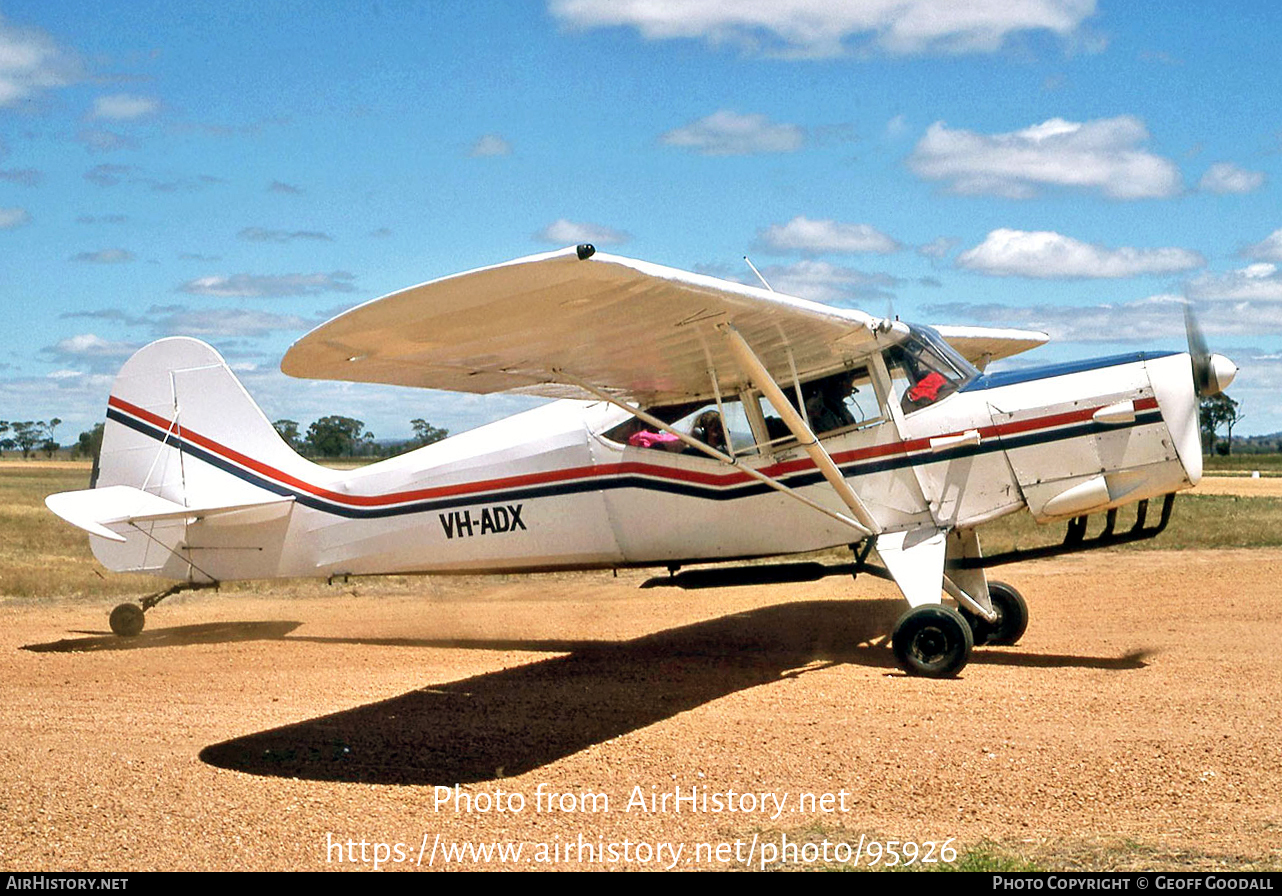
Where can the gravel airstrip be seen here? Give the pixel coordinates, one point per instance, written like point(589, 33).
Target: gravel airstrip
point(1136, 725)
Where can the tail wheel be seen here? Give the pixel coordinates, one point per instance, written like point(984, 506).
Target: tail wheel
point(127, 620)
point(933, 641)
point(1012, 617)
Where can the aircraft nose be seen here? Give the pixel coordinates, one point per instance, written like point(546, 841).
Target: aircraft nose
point(1220, 372)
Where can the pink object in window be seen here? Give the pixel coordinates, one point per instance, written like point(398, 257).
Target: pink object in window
point(647, 439)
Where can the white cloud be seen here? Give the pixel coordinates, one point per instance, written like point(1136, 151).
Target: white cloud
point(820, 281)
point(124, 107)
point(490, 145)
point(937, 248)
point(1267, 249)
point(817, 237)
point(1049, 255)
point(78, 398)
point(1259, 282)
point(1225, 177)
point(89, 350)
point(822, 28)
point(1156, 317)
point(726, 133)
point(102, 140)
point(104, 256)
point(108, 175)
point(13, 217)
point(27, 177)
point(262, 235)
point(1105, 155)
point(563, 233)
point(240, 322)
point(30, 63)
point(269, 285)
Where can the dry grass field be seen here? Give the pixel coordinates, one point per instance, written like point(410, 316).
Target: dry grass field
point(276, 726)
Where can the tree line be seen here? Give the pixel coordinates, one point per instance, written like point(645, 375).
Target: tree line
point(337, 436)
point(29, 436)
point(332, 436)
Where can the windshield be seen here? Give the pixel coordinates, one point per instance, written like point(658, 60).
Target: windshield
point(924, 369)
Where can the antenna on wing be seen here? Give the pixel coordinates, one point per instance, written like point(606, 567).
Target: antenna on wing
point(758, 273)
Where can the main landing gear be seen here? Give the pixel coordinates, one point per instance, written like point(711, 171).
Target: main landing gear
point(1012, 617)
point(935, 641)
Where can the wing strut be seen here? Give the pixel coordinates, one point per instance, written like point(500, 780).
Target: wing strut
point(761, 377)
point(651, 420)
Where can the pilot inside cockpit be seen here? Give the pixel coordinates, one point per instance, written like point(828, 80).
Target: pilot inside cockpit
point(826, 402)
point(925, 369)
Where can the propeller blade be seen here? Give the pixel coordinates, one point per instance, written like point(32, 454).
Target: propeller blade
point(1212, 372)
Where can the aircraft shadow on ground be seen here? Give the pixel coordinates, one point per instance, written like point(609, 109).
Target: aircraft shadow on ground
point(509, 722)
point(175, 636)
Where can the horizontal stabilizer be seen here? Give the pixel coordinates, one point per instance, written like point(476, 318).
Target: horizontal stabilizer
point(93, 510)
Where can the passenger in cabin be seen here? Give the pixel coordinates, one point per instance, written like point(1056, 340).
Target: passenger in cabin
point(709, 429)
point(826, 403)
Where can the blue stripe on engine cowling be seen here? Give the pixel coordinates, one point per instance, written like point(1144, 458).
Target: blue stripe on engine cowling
point(1029, 374)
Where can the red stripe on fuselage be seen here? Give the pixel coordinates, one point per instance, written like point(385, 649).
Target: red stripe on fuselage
point(597, 470)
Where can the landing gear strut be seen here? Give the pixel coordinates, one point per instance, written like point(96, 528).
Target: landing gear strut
point(933, 641)
point(127, 620)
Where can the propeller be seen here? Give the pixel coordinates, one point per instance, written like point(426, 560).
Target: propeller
point(1212, 372)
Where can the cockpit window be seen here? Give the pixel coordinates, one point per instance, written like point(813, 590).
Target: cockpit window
point(924, 369)
point(835, 403)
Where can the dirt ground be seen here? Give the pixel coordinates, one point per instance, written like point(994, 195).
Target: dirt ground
point(1242, 486)
point(1136, 726)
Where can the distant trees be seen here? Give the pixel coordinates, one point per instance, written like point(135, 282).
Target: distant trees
point(90, 443)
point(336, 436)
point(288, 430)
point(425, 433)
point(1213, 413)
point(29, 436)
point(331, 436)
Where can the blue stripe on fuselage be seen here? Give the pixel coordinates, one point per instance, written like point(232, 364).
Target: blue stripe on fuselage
point(1029, 374)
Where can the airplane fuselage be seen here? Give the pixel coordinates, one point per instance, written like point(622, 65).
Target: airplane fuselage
point(549, 489)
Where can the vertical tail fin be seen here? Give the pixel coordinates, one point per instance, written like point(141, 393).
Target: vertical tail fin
point(183, 441)
point(176, 401)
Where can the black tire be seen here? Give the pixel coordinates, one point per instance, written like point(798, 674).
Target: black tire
point(127, 620)
point(1012, 612)
point(1012, 617)
point(933, 641)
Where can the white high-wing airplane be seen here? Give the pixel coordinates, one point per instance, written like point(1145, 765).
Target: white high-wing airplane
point(706, 421)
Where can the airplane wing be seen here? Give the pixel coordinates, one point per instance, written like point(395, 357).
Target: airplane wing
point(540, 324)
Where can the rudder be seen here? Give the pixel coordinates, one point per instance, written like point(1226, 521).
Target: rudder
point(185, 445)
point(177, 400)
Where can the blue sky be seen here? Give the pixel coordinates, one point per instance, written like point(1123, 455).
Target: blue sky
point(242, 171)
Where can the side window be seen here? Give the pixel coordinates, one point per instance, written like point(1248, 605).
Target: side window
point(730, 434)
point(842, 401)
